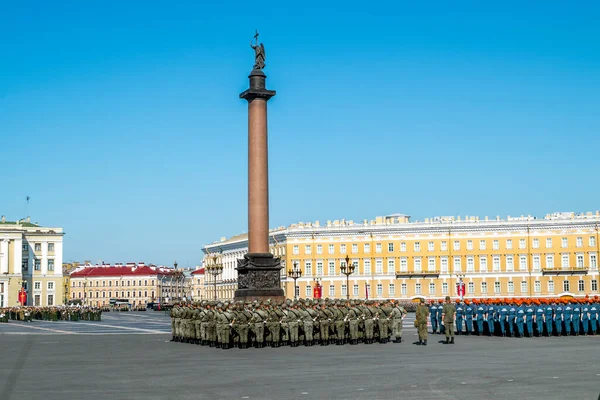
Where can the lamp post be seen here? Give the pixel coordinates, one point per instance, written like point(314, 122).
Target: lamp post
point(347, 270)
point(214, 268)
point(295, 273)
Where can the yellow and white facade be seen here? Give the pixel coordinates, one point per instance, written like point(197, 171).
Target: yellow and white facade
point(394, 258)
point(31, 257)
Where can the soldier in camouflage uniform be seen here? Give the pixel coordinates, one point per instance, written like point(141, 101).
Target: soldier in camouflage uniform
point(421, 322)
point(398, 314)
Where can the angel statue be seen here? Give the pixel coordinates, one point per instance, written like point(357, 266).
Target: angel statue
point(259, 53)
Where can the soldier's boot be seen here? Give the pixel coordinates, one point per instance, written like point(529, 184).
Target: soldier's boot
point(420, 342)
point(173, 339)
point(452, 340)
point(400, 339)
point(425, 342)
point(447, 341)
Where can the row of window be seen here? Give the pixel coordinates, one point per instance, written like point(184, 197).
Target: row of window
point(104, 283)
point(37, 264)
point(432, 264)
point(109, 295)
point(470, 288)
point(38, 285)
point(38, 247)
point(535, 243)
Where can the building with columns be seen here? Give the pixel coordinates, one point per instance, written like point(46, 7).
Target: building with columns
point(136, 283)
point(31, 257)
point(525, 256)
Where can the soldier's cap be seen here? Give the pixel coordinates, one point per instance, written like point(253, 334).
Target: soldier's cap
point(423, 301)
point(447, 298)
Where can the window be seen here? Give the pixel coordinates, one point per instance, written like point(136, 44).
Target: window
point(482, 244)
point(355, 290)
point(510, 266)
point(308, 268)
point(50, 300)
point(509, 244)
point(536, 263)
point(342, 248)
point(391, 266)
point(523, 286)
point(444, 245)
point(470, 264)
point(50, 264)
point(566, 286)
point(377, 247)
point(367, 267)
point(390, 247)
point(510, 286)
point(403, 247)
point(431, 264)
point(537, 286)
point(469, 245)
point(581, 285)
point(418, 288)
point(319, 249)
point(403, 289)
point(392, 289)
point(565, 261)
point(550, 286)
point(579, 242)
point(418, 264)
point(331, 266)
point(456, 245)
point(536, 243)
point(549, 261)
point(319, 268)
point(38, 265)
point(146, 293)
point(296, 250)
point(403, 264)
point(417, 246)
point(457, 266)
point(331, 249)
point(37, 285)
point(523, 263)
point(594, 285)
point(308, 291)
point(50, 247)
point(444, 288)
point(522, 244)
point(308, 249)
point(332, 290)
point(496, 287)
point(593, 262)
point(483, 264)
point(354, 248)
point(592, 241)
point(579, 260)
point(444, 265)
point(367, 247)
point(379, 266)
point(430, 246)
point(128, 283)
point(432, 288)
point(379, 289)
point(25, 247)
point(548, 243)
point(38, 247)
point(496, 263)
point(564, 243)
point(50, 285)
point(496, 244)
point(471, 288)
point(483, 287)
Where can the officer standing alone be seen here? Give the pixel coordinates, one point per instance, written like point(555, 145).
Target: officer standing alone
point(448, 312)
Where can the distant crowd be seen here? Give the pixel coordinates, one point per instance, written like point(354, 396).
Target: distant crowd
point(55, 313)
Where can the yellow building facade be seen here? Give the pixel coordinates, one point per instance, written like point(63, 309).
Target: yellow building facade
point(394, 258)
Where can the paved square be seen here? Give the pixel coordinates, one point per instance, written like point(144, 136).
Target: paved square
point(129, 357)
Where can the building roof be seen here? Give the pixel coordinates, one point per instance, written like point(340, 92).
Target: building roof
point(198, 272)
point(95, 271)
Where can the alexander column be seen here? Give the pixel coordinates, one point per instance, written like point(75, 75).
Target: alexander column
point(258, 272)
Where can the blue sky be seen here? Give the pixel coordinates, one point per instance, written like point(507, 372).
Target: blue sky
point(122, 120)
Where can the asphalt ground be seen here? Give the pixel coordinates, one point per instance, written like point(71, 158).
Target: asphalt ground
point(122, 358)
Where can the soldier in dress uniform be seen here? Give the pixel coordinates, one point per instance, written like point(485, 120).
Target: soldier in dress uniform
point(460, 315)
point(433, 316)
point(502, 312)
point(594, 308)
point(469, 314)
point(585, 317)
point(539, 318)
point(576, 321)
point(558, 318)
point(549, 317)
point(480, 311)
point(520, 320)
point(491, 318)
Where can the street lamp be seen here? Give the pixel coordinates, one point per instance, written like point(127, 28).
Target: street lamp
point(214, 268)
point(295, 273)
point(347, 270)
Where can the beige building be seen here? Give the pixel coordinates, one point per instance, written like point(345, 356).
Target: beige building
point(138, 284)
point(31, 257)
point(394, 258)
point(198, 288)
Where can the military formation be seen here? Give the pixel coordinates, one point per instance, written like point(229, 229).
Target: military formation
point(58, 313)
point(291, 323)
point(521, 317)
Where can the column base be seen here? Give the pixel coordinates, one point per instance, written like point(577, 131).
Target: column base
point(259, 278)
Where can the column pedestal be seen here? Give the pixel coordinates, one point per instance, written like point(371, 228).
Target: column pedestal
point(259, 278)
